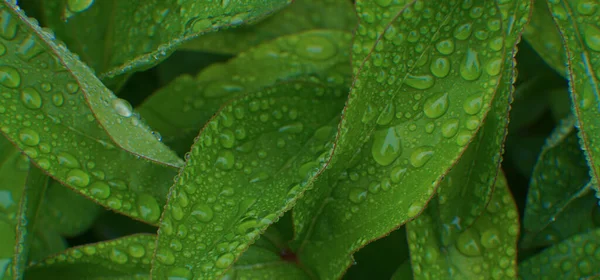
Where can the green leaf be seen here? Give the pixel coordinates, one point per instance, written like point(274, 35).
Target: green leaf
point(74, 128)
point(30, 205)
point(575, 258)
point(407, 121)
point(578, 22)
point(560, 174)
point(117, 37)
point(71, 214)
point(404, 272)
point(248, 165)
point(180, 109)
point(545, 38)
point(487, 250)
point(298, 17)
point(467, 188)
point(124, 258)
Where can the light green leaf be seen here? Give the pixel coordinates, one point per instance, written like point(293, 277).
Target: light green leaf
point(574, 258)
point(27, 219)
point(116, 37)
point(429, 74)
point(71, 214)
point(559, 176)
point(74, 128)
point(467, 188)
point(248, 165)
point(179, 110)
point(299, 16)
point(578, 22)
point(487, 250)
point(544, 36)
point(124, 258)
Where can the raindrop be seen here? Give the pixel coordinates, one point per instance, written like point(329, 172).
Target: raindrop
point(122, 107)
point(386, 146)
point(440, 67)
point(591, 36)
point(468, 243)
point(180, 273)
point(78, 178)
point(420, 156)
point(225, 160)
point(100, 190)
point(357, 195)
point(77, 6)
point(29, 137)
point(296, 127)
point(420, 82)
point(470, 67)
point(225, 260)
point(316, 47)
point(202, 213)
point(148, 207)
point(31, 98)
point(436, 105)
point(9, 77)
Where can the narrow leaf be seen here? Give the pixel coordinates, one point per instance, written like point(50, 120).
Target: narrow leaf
point(298, 17)
point(427, 81)
point(544, 36)
point(575, 258)
point(74, 128)
point(248, 165)
point(118, 37)
point(124, 258)
point(578, 23)
point(30, 205)
point(560, 174)
point(487, 250)
point(180, 109)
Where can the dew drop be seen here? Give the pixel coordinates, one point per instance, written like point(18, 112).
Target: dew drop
point(100, 190)
point(57, 99)
point(470, 67)
point(463, 32)
point(357, 195)
point(383, 3)
point(436, 105)
point(225, 260)
point(450, 128)
point(67, 160)
point(415, 209)
point(440, 67)
point(490, 239)
point(29, 137)
point(369, 114)
point(397, 174)
point(420, 82)
point(180, 273)
point(445, 46)
point(296, 127)
point(467, 243)
point(78, 178)
point(473, 104)
point(136, 250)
point(148, 207)
point(225, 160)
point(227, 138)
point(118, 256)
point(165, 257)
point(493, 67)
point(202, 213)
point(122, 107)
point(387, 114)
point(9, 77)
point(420, 156)
point(591, 36)
point(31, 98)
point(316, 47)
point(8, 26)
point(386, 146)
point(77, 6)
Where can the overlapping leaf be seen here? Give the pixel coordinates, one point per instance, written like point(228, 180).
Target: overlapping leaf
point(575, 258)
point(466, 190)
point(559, 176)
point(299, 16)
point(406, 123)
point(56, 111)
point(179, 110)
point(116, 37)
point(248, 165)
point(544, 36)
point(487, 250)
point(124, 258)
point(578, 22)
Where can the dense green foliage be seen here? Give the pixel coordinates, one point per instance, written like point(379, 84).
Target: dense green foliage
point(307, 139)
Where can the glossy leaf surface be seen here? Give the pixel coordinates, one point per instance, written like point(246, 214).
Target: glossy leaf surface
point(248, 165)
point(404, 125)
point(57, 122)
point(487, 250)
point(298, 17)
point(117, 37)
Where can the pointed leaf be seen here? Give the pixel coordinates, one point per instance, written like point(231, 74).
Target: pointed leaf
point(116, 37)
point(487, 250)
point(299, 16)
point(124, 258)
point(575, 258)
point(180, 109)
point(560, 174)
point(248, 165)
point(467, 189)
point(578, 23)
point(405, 124)
point(544, 36)
point(74, 128)
point(30, 205)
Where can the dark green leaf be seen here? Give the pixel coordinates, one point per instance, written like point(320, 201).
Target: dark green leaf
point(404, 272)
point(75, 129)
point(574, 258)
point(578, 23)
point(299, 16)
point(124, 258)
point(429, 74)
point(115, 37)
point(545, 38)
point(487, 250)
point(248, 165)
point(179, 110)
